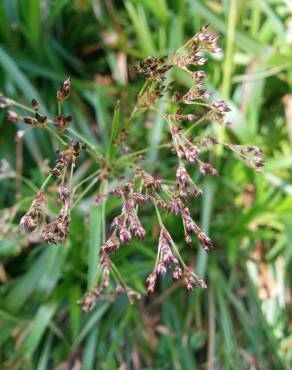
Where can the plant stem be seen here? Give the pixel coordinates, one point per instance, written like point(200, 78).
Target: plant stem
point(103, 190)
point(21, 106)
point(48, 128)
point(46, 181)
point(59, 107)
point(178, 254)
point(71, 177)
point(119, 276)
point(86, 179)
point(158, 215)
point(75, 133)
point(91, 148)
point(85, 191)
point(195, 124)
point(141, 151)
point(114, 134)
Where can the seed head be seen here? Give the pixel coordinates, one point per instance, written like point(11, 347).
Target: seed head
point(32, 219)
point(151, 281)
point(30, 121)
point(125, 235)
point(12, 116)
point(57, 231)
point(62, 122)
point(64, 91)
point(35, 105)
point(5, 102)
point(111, 245)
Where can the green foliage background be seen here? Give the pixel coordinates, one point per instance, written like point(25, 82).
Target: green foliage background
point(243, 320)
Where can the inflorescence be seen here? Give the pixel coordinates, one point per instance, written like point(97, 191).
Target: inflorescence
point(142, 188)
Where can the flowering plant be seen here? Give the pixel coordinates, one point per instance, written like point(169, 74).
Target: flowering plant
point(138, 188)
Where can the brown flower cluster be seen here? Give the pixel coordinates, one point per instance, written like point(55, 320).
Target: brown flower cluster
point(89, 299)
point(56, 231)
point(127, 225)
point(142, 187)
point(61, 122)
point(34, 216)
point(166, 259)
point(66, 158)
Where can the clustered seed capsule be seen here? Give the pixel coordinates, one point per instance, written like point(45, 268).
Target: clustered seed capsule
point(64, 90)
point(33, 218)
point(62, 122)
point(56, 231)
point(166, 259)
point(65, 158)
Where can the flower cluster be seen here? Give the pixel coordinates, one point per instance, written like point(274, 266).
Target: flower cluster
point(142, 187)
point(154, 69)
point(166, 259)
point(66, 158)
point(250, 154)
point(56, 231)
point(34, 216)
point(88, 301)
point(127, 225)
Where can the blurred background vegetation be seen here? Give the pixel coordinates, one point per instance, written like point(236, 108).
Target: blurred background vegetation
point(243, 320)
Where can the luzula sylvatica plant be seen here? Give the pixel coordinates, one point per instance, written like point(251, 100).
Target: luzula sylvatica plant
point(141, 187)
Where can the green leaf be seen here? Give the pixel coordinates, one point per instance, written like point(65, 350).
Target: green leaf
point(41, 321)
point(95, 227)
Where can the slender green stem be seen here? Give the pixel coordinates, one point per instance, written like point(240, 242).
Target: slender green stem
point(48, 178)
point(144, 87)
point(103, 190)
point(71, 177)
point(161, 114)
point(200, 103)
point(95, 173)
point(75, 133)
point(85, 191)
point(158, 215)
point(111, 151)
point(195, 124)
point(171, 241)
point(91, 149)
point(21, 106)
point(119, 276)
point(59, 107)
point(132, 115)
point(48, 128)
point(167, 192)
point(135, 110)
point(178, 254)
point(146, 150)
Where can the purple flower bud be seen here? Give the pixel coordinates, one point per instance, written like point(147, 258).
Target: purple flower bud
point(161, 269)
point(64, 91)
point(125, 236)
point(12, 116)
